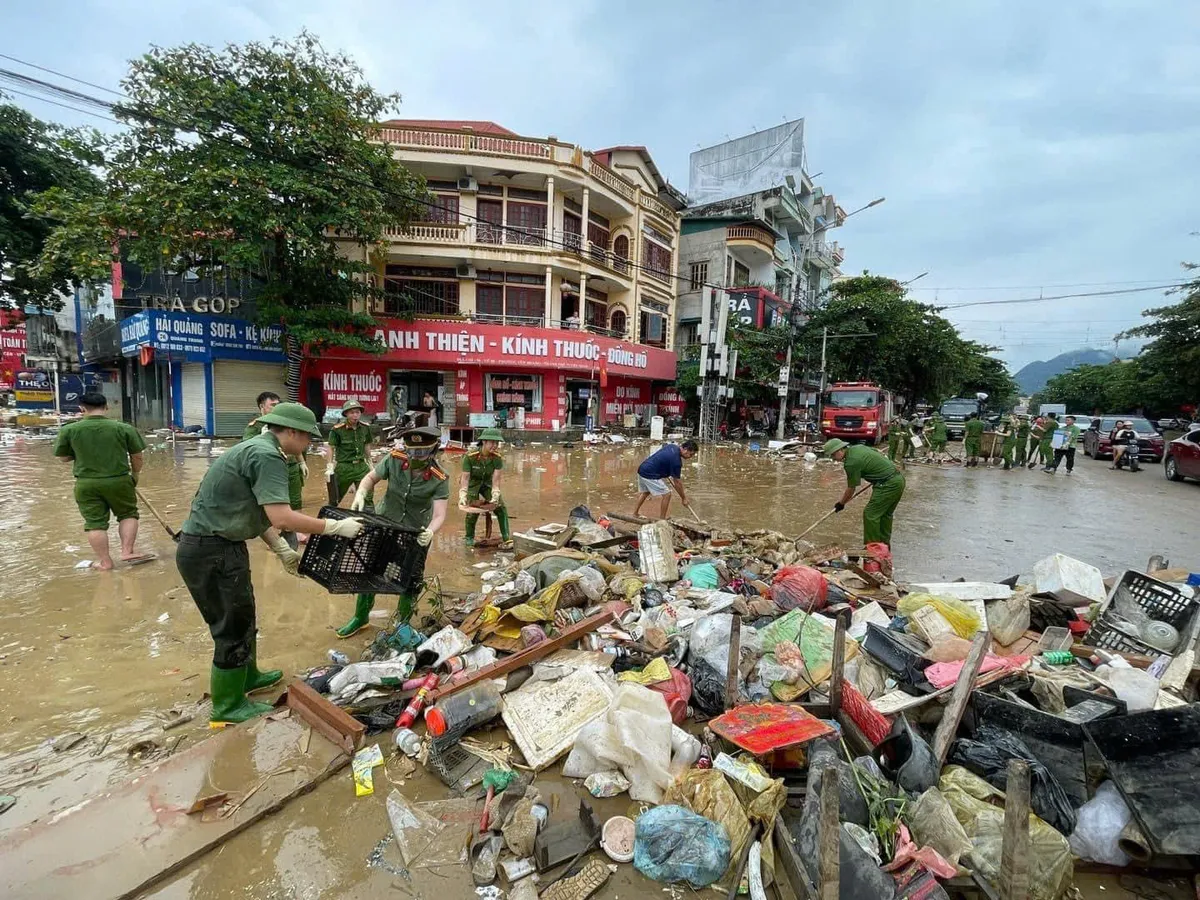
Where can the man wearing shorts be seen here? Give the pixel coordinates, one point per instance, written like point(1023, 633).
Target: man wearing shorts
point(105, 457)
point(659, 468)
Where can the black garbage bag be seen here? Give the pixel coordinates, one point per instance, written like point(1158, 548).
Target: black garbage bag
point(381, 718)
point(581, 512)
point(708, 688)
point(988, 755)
point(318, 679)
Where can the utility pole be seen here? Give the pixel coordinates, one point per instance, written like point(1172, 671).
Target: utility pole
point(717, 363)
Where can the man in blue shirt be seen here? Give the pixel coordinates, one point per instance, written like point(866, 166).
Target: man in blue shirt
point(655, 471)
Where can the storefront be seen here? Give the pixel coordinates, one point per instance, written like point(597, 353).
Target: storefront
point(186, 370)
point(533, 378)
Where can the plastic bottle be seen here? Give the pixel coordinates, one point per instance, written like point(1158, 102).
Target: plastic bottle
point(338, 658)
point(465, 710)
point(417, 703)
point(407, 741)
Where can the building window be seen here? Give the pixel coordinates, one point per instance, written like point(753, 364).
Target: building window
point(596, 315)
point(741, 274)
point(619, 323)
point(526, 224)
point(728, 271)
point(699, 275)
point(653, 329)
point(511, 391)
point(598, 236)
point(572, 232)
point(489, 302)
point(621, 253)
point(501, 297)
point(525, 304)
point(689, 334)
point(426, 297)
point(656, 259)
point(490, 214)
point(444, 209)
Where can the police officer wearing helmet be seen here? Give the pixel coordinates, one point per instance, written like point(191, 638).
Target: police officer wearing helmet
point(244, 495)
point(417, 493)
point(481, 481)
point(349, 440)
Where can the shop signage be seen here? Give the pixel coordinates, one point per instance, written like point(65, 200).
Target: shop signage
point(515, 390)
point(12, 341)
point(362, 387)
point(671, 403)
point(216, 305)
point(193, 338)
point(34, 389)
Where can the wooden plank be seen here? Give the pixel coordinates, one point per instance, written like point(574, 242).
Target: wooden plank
point(525, 657)
point(838, 671)
point(1014, 853)
point(953, 713)
point(326, 719)
point(830, 836)
point(121, 842)
point(789, 862)
point(732, 669)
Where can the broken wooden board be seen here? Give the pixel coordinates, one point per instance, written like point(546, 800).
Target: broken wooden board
point(325, 718)
point(120, 842)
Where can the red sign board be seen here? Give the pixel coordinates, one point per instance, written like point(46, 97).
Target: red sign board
point(670, 402)
point(12, 355)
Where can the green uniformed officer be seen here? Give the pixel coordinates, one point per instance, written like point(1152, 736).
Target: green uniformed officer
point(105, 457)
point(1010, 441)
point(1046, 439)
point(349, 440)
point(916, 429)
point(896, 437)
point(297, 468)
point(887, 487)
point(973, 439)
point(939, 436)
point(417, 494)
point(481, 480)
point(244, 495)
point(1022, 440)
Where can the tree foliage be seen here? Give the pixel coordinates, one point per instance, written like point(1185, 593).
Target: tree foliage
point(760, 354)
point(1095, 390)
point(35, 157)
point(248, 159)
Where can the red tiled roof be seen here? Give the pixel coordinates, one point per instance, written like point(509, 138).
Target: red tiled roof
point(480, 127)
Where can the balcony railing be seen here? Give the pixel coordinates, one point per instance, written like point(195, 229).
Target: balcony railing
point(613, 181)
point(839, 253)
point(658, 207)
point(751, 233)
point(467, 142)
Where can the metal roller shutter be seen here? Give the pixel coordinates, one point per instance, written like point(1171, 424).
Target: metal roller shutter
point(236, 385)
point(195, 395)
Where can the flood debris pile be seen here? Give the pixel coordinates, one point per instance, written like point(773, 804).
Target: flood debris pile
point(747, 709)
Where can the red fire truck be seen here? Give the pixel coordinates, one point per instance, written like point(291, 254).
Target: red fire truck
point(856, 411)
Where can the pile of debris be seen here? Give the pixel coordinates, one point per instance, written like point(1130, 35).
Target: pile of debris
point(782, 712)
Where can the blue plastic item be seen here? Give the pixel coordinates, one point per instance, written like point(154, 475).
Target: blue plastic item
point(702, 575)
point(675, 844)
point(1194, 579)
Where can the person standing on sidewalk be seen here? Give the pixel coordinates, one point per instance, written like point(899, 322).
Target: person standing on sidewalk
point(348, 442)
point(973, 439)
point(887, 486)
point(481, 481)
point(106, 458)
point(297, 468)
point(417, 494)
point(1067, 450)
point(244, 495)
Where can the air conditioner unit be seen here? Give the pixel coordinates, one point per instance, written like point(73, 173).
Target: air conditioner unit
point(468, 184)
point(465, 270)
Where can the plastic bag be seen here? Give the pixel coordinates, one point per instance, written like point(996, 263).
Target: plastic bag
point(590, 579)
point(799, 587)
point(357, 676)
point(1008, 620)
point(1101, 819)
point(672, 844)
point(1139, 689)
point(702, 575)
point(813, 635)
point(709, 641)
point(934, 825)
point(604, 784)
point(961, 616)
point(948, 648)
point(987, 756)
point(979, 808)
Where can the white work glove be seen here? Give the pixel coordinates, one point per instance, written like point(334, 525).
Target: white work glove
point(330, 468)
point(462, 497)
point(359, 503)
point(347, 528)
point(287, 556)
point(303, 469)
point(424, 537)
point(496, 499)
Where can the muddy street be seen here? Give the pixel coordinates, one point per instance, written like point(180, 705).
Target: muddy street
point(109, 655)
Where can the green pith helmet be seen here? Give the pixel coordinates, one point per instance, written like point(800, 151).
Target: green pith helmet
point(351, 404)
point(491, 434)
point(833, 445)
point(418, 438)
point(292, 415)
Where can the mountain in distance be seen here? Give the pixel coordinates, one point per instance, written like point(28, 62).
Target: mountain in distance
point(1033, 377)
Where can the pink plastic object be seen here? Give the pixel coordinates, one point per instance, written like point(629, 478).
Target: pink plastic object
point(799, 587)
point(678, 693)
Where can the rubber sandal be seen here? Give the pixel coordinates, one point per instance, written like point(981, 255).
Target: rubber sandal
point(580, 886)
point(140, 559)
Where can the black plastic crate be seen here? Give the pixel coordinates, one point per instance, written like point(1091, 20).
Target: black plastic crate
point(384, 559)
point(1156, 599)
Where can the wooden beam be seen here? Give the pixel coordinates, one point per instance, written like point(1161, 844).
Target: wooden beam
point(1014, 854)
point(829, 848)
point(789, 861)
point(838, 672)
point(953, 713)
point(525, 657)
point(326, 719)
point(732, 669)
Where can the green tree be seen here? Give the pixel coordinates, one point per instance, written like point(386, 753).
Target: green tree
point(1169, 366)
point(35, 157)
point(258, 159)
point(990, 375)
point(1117, 387)
point(760, 354)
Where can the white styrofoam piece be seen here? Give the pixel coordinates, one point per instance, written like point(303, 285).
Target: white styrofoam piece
point(544, 719)
point(869, 612)
point(965, 590)
point(1059, 574)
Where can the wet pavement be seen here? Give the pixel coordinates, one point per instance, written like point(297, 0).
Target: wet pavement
point(109, 654)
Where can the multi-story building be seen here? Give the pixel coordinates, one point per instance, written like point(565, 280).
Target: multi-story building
point(539, 289)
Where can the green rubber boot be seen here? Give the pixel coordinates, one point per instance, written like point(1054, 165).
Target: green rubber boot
point(502, 518)
point(363, 604)
point(257, 680)
point(469, 524)
point(229, 703)
point(404, 608)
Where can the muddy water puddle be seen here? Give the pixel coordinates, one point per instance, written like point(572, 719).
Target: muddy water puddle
point(109, 655)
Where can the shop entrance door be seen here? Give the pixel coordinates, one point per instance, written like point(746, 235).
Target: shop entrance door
point(582, 401)
point(407, 389)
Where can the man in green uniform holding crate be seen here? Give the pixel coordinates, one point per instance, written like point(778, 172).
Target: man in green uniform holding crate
point(973, 439)
point(297, 468)
point(244, 495)
point(417, 494)
point(887, 486)
point(106, 457)
point(349, 440)
point(481, 481)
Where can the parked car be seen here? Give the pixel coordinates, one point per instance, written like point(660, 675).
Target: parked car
point(1097, 445)
point(1183, 456)
point(1172, 424)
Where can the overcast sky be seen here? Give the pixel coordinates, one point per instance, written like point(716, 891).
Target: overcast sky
point(1024, 148)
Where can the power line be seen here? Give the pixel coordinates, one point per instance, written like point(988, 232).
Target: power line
point(1035, 287)
point(1040, 299)
point(98, 87)
point(63, 105)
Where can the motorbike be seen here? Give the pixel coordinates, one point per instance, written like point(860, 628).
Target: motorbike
point(1130, 457)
